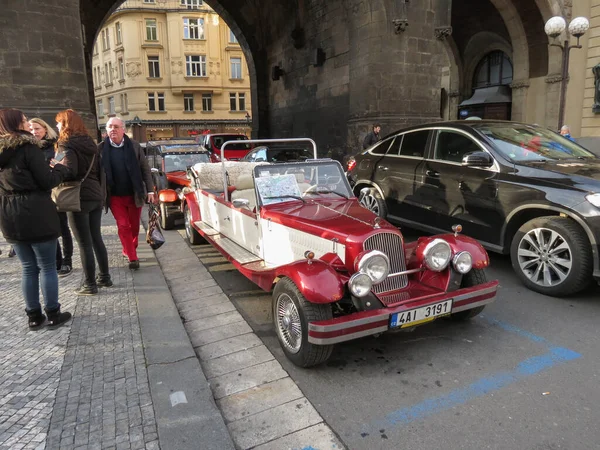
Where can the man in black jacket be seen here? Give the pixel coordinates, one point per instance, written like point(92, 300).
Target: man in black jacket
point(129, 184)
point(372, 137)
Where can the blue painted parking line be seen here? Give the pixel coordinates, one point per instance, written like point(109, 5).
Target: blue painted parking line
point(529, 367)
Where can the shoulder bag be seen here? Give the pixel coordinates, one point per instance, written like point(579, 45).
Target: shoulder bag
point(67, 195)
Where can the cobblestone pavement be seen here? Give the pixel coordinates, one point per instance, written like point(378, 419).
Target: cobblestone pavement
point(84, 385)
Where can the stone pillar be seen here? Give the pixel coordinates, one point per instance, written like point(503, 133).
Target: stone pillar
point(553, 83)
point(519, 100)
point(42, 69)
point(395, 71)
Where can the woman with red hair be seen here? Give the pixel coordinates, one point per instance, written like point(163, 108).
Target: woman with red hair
point(81, 153)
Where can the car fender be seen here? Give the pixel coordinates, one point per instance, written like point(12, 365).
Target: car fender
point(458, 243)
point(190, 200)
point(370, 184)
point(317, 281)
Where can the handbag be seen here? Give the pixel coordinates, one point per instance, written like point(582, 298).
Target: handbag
point(67, 195)
point(154, 236)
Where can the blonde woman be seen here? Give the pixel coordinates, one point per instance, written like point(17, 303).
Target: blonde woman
point(64, 259)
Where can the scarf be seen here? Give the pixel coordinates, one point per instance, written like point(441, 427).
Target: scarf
point(131, 163)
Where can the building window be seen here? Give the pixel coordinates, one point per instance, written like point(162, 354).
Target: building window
point(121, 69)
point(100, 108)
point(104, 48)
point(151, 31)
point(110, 72)
point(111, 105)
point(242, 101)
point(191, 4)
point(156, 102)
point(153, 67)
point(236, 68)
point(193, 28)
point(188, 102)
point(107, 39)
point(118, 35)
point(124, 105)
point(495, 69)
point(96, 83)
point(195, 65)
point(96, 48)
point(105, 73)
point(232, 38)
point(206, 102)
point(232, 101)
point(149, 1)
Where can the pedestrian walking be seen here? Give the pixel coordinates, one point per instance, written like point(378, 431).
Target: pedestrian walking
point(373, 136)
point(80, 153)
point(64, 259)
point(25, 204)
point(129, 184)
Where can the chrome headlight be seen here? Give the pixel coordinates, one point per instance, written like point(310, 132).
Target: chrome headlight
point(375, 264)
point(360, 284)
point(462, 262)
point(437, 255)
point(594, 199)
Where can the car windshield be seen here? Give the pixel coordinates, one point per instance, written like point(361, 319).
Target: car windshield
point(531, 143)
point(300, 182)
point(220, 140)
point(181, 161)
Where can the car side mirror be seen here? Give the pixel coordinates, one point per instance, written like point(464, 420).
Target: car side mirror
point(477, 159)
point(241, 203)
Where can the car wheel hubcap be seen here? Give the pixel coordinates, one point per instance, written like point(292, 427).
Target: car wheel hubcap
point(289, 327)
point(545, 257)
point(370, 202)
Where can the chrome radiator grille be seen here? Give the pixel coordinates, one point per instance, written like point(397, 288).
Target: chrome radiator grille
point(391, 245)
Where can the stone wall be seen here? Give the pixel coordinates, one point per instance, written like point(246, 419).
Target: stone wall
point(41, 58)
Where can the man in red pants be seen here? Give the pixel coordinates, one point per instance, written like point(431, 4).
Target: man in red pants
point(129, 184)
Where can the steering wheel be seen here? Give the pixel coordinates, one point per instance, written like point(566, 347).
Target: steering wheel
point(311, 190)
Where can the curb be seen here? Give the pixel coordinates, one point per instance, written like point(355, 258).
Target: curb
point(261, 405)
point(185, 411)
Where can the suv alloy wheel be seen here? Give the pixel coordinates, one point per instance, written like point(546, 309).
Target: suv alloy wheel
point(371, 200)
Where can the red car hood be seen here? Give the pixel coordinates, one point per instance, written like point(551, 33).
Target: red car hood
point(330, 218)
point(179, 178)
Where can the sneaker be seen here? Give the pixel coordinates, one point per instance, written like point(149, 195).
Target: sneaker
point(87, 290)
point(64, 270)
point(56, 318)
point(104, 281)
point(11, 252)
point(36, 319)
point(134, 265)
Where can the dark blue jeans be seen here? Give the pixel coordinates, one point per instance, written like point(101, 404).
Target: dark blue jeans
point(38, 259)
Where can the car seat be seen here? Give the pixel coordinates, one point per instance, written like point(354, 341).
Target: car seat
point(244, 188)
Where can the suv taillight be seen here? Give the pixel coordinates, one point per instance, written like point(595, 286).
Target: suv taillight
point(351, 164)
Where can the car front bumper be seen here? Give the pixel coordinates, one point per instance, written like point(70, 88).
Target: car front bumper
point(365, 323)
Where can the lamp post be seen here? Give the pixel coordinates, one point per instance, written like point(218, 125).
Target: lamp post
point(554, 28)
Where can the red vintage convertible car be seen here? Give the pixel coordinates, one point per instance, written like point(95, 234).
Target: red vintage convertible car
point(337, 271)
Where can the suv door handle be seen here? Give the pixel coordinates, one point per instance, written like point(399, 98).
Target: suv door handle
point(432, 173)
point(383, 167)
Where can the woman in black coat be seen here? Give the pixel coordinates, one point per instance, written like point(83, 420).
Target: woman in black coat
point(64, 260)
point(81, 153)
point(28, 217)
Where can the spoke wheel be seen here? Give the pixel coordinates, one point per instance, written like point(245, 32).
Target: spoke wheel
point(291, 315)
point(289, 326)
point(552, 255)
point(193, 236)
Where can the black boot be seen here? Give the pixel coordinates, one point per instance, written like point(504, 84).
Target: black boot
point(56, 318)
point(36, 319)
point(104, 281)
point(85, 289)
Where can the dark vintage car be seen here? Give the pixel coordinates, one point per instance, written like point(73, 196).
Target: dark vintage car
point(336, 270)
point(213, 142)
point(169, 160)
point(519, 189)
point(277, 154)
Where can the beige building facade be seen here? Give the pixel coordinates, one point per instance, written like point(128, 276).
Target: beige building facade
point(170, 68)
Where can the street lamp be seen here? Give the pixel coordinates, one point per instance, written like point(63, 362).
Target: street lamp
point(554, 28)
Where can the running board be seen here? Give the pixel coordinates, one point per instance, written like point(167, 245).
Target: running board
point(234, 250)
point(206, 229)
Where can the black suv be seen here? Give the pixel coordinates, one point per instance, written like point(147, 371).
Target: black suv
point(169, 160)
point(517, 188)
